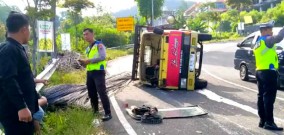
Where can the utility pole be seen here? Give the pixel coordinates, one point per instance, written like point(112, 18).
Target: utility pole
point(54, 28)
point(152, 18)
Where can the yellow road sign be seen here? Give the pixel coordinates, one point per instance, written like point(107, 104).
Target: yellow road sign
point(248, 19)
point(125, 24)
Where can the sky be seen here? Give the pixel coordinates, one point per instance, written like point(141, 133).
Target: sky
point(108, 5)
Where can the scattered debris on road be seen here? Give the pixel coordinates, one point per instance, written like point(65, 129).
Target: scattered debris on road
point(145, 114)
point(151, 115)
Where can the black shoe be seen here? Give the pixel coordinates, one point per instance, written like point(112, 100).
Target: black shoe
point(272, 126)
point(106, 117)
point(261, 123)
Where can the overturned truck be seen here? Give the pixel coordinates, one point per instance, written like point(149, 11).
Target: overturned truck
point(169, 59)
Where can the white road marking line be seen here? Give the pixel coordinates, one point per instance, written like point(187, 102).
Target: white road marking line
point(219, 78)
point(245, 128)
point(228, 131)
point(213, 96)
point(121, 117)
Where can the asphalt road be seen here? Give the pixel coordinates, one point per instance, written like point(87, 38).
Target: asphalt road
point(230, 102)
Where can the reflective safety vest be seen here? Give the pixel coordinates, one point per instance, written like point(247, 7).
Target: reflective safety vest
point(94, 53)
point(265, 58)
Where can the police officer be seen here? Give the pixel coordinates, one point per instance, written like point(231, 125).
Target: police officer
point(96, 65)
point(267, 74)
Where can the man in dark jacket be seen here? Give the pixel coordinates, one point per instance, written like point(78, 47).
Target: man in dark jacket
point(18, 97)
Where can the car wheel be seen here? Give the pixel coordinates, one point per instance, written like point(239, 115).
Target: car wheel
point(244, 72)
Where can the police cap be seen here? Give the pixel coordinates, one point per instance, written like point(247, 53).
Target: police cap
point(269, 24)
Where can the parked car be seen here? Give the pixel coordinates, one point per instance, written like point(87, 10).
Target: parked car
point(245, 61)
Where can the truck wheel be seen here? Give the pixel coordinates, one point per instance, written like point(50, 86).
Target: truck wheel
point(244, 72)
point(200, 84)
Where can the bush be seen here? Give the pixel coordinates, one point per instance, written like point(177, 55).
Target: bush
point(113, 38)
point(276, 13)
point(225, 35)
point(109, 35)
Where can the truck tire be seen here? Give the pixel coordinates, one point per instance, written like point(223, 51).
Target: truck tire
point(200, 84)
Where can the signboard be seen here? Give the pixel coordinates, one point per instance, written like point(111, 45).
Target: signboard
point(65, 42)
point(174, 58)
point(125, 24)
point(248, 19)
point(45, 36)
point(241, 26)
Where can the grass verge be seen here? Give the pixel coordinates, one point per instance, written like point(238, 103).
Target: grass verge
point(75, 77)
point(74, 120)
point(115, 53)
point(70, 121)
point(224, 40)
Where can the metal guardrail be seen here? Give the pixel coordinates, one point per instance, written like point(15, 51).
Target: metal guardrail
point(124, 47)
point(46, 73)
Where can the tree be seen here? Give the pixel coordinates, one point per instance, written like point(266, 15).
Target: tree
point(107, 33)
point(70, 20)
point(40, 10)
point(140, 20)
point(75, 8)
point(231, 17)
point(256, 16)
point(4, 12)
point(2, 32)
point(239, 4)
point(196, 24)
point(145, 8)
point(213, 19)
point(180, 20)
point(276, 13)
point(179, 17)
point(77, 5)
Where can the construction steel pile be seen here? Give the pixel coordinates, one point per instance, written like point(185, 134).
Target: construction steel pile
point(64, 95)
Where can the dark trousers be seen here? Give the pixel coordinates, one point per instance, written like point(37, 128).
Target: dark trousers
point(267, 89)
point(96, 85)
point(15, 127)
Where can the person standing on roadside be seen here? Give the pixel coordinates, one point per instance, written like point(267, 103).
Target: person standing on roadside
point(267, 65)
point(18, 96)
point(96, 66)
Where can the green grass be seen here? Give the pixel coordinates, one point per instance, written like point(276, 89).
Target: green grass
point(115, 53)
point(75, 77)
point(224, 40)
point(70, 121)
point(224, 37)
point(74, 120)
